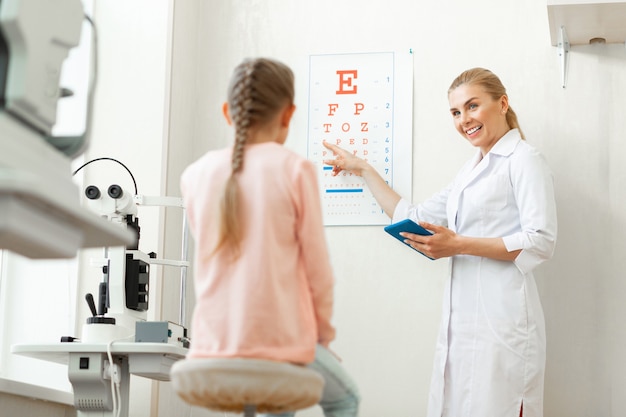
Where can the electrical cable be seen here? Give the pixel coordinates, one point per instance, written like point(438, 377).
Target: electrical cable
point(119, 396)
point(111, 363)
point(116, 391)
point(109, 159)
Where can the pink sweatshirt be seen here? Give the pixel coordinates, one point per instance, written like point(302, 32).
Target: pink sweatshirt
point(274, 302)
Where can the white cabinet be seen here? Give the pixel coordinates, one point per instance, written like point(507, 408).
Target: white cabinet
point(585, 20)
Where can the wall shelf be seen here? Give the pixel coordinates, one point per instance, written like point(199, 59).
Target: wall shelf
point(581, 22)
point(585, 20)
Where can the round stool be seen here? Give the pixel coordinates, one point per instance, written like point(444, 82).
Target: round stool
point(246, 385)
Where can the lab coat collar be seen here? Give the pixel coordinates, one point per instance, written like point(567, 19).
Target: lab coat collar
point(507, 143)
point(504, 147)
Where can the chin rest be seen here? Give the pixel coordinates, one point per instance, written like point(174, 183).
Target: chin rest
point(246, 385)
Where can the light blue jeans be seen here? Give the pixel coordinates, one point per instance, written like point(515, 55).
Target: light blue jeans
point(340, 397)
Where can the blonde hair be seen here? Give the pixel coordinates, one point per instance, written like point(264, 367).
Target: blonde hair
point(492, 86)
point(259, 88)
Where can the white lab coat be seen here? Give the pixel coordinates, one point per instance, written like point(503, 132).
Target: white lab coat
point(490, 353)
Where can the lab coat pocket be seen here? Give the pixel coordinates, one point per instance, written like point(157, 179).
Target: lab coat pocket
point(491, 193)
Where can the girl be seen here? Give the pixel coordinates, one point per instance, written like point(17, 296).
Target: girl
point(263, 280)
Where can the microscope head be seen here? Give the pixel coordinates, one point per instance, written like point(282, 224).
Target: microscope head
point(117, 203)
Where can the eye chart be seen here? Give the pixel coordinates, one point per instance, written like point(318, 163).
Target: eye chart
point(363, 103)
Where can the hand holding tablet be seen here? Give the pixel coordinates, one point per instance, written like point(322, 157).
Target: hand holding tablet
point(407, 225)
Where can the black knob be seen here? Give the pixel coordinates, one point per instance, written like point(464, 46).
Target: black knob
point(91, 304)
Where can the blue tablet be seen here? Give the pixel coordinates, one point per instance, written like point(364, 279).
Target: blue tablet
point(407, 225)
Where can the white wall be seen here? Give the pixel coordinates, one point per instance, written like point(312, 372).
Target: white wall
point(388, 301)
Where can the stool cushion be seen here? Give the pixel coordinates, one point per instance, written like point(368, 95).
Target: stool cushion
point(225, 384)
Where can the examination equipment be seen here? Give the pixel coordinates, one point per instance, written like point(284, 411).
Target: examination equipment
point(40, 205)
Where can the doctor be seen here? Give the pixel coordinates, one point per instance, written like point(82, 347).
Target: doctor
point(496, 222)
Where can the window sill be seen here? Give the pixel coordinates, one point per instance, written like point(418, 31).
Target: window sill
point(33, 391)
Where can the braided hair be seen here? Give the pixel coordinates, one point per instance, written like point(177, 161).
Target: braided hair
point(492, 85)
point(259, 88)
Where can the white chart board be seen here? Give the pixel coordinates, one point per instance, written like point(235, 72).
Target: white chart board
point(362, 102)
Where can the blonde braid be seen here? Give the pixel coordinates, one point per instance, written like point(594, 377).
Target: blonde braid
point(230, 229)
point(241, 116)
point(258, 90)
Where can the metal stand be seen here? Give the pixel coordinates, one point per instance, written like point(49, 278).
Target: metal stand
point(183, 263)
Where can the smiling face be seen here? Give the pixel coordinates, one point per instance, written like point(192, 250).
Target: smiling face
point(477, 116)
